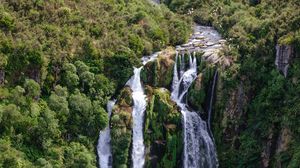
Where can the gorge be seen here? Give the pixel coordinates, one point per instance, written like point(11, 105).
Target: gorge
point(198, 144)
point(149, 84)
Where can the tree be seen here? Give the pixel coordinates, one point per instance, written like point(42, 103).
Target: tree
point(47, 129)
point(87, 79)
point(77, 156)
point(11, 117)
point(11, 157)
point(58, 103)
point(17, 96)
point(81, 113)
point(101, 120)
point(32, 88)
point(81, 67)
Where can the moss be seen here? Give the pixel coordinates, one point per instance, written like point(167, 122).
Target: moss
point(125, 98)
point(121, 123)
point(159, 73)
point(163, 131)
point(200, 88)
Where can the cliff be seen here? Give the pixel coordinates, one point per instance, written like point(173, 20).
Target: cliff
point(284, 54)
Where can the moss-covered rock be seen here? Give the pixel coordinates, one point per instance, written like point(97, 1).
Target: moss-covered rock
point(121, 123)
point(163, 130)
point(159, 73)
point(199, 91)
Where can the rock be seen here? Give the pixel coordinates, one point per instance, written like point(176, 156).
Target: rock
point(222, 41)
point(2, 76)
point(210, 43)
point(233, 113)
point(125, 98)
point(200, 37)
point(283, 142)
point(163, 130)
point(267, 148)
point(196, 93)
point(159, 73)
point(284, 54)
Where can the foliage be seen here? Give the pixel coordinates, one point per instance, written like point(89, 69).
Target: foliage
point(253, 28)
point(163, 132)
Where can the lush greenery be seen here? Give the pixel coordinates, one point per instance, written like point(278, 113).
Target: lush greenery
point(121, 131)
point(248, 131)
point(159, 73)
point(163, 130)
point(60, 62)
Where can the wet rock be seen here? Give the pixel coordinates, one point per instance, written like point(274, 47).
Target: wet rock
point(159, 73)
point(196, 93)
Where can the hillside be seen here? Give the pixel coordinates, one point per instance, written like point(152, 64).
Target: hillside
point(149, 83)
point(257, 109)
point(60, 62)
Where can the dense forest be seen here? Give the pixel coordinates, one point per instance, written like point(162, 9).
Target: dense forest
point(61, 61)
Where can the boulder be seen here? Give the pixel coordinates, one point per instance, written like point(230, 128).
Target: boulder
point(159, 73)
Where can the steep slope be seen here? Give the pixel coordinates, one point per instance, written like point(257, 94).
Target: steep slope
point(60, 62)
point(257, 106)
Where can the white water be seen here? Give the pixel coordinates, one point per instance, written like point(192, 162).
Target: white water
point(139, 107)
point(103, 147)
point(199, 149)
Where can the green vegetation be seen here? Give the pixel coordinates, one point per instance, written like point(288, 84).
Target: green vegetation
point(60, 62)
point(159, 73)
point(255, 102)
point(163, 130)
point(121, 131)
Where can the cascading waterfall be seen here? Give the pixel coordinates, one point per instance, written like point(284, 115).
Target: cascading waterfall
point(175, 79)
point(139, 107)
point(199, 149)
point(103, 147)
point(138, 113)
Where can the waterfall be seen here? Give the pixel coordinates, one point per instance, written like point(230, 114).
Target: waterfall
point(212, 92)
point(175, 79)
point(103, 147)
point(139, 107)
point(199, 149)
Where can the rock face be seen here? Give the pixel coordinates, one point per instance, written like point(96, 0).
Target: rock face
point(196, 94)
point(284, 54)
point(159, 73)
point(283, 142)
point(2, 76)
point(199, 92)
point(163, 130)
point(228, 118)
point(121, 123)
